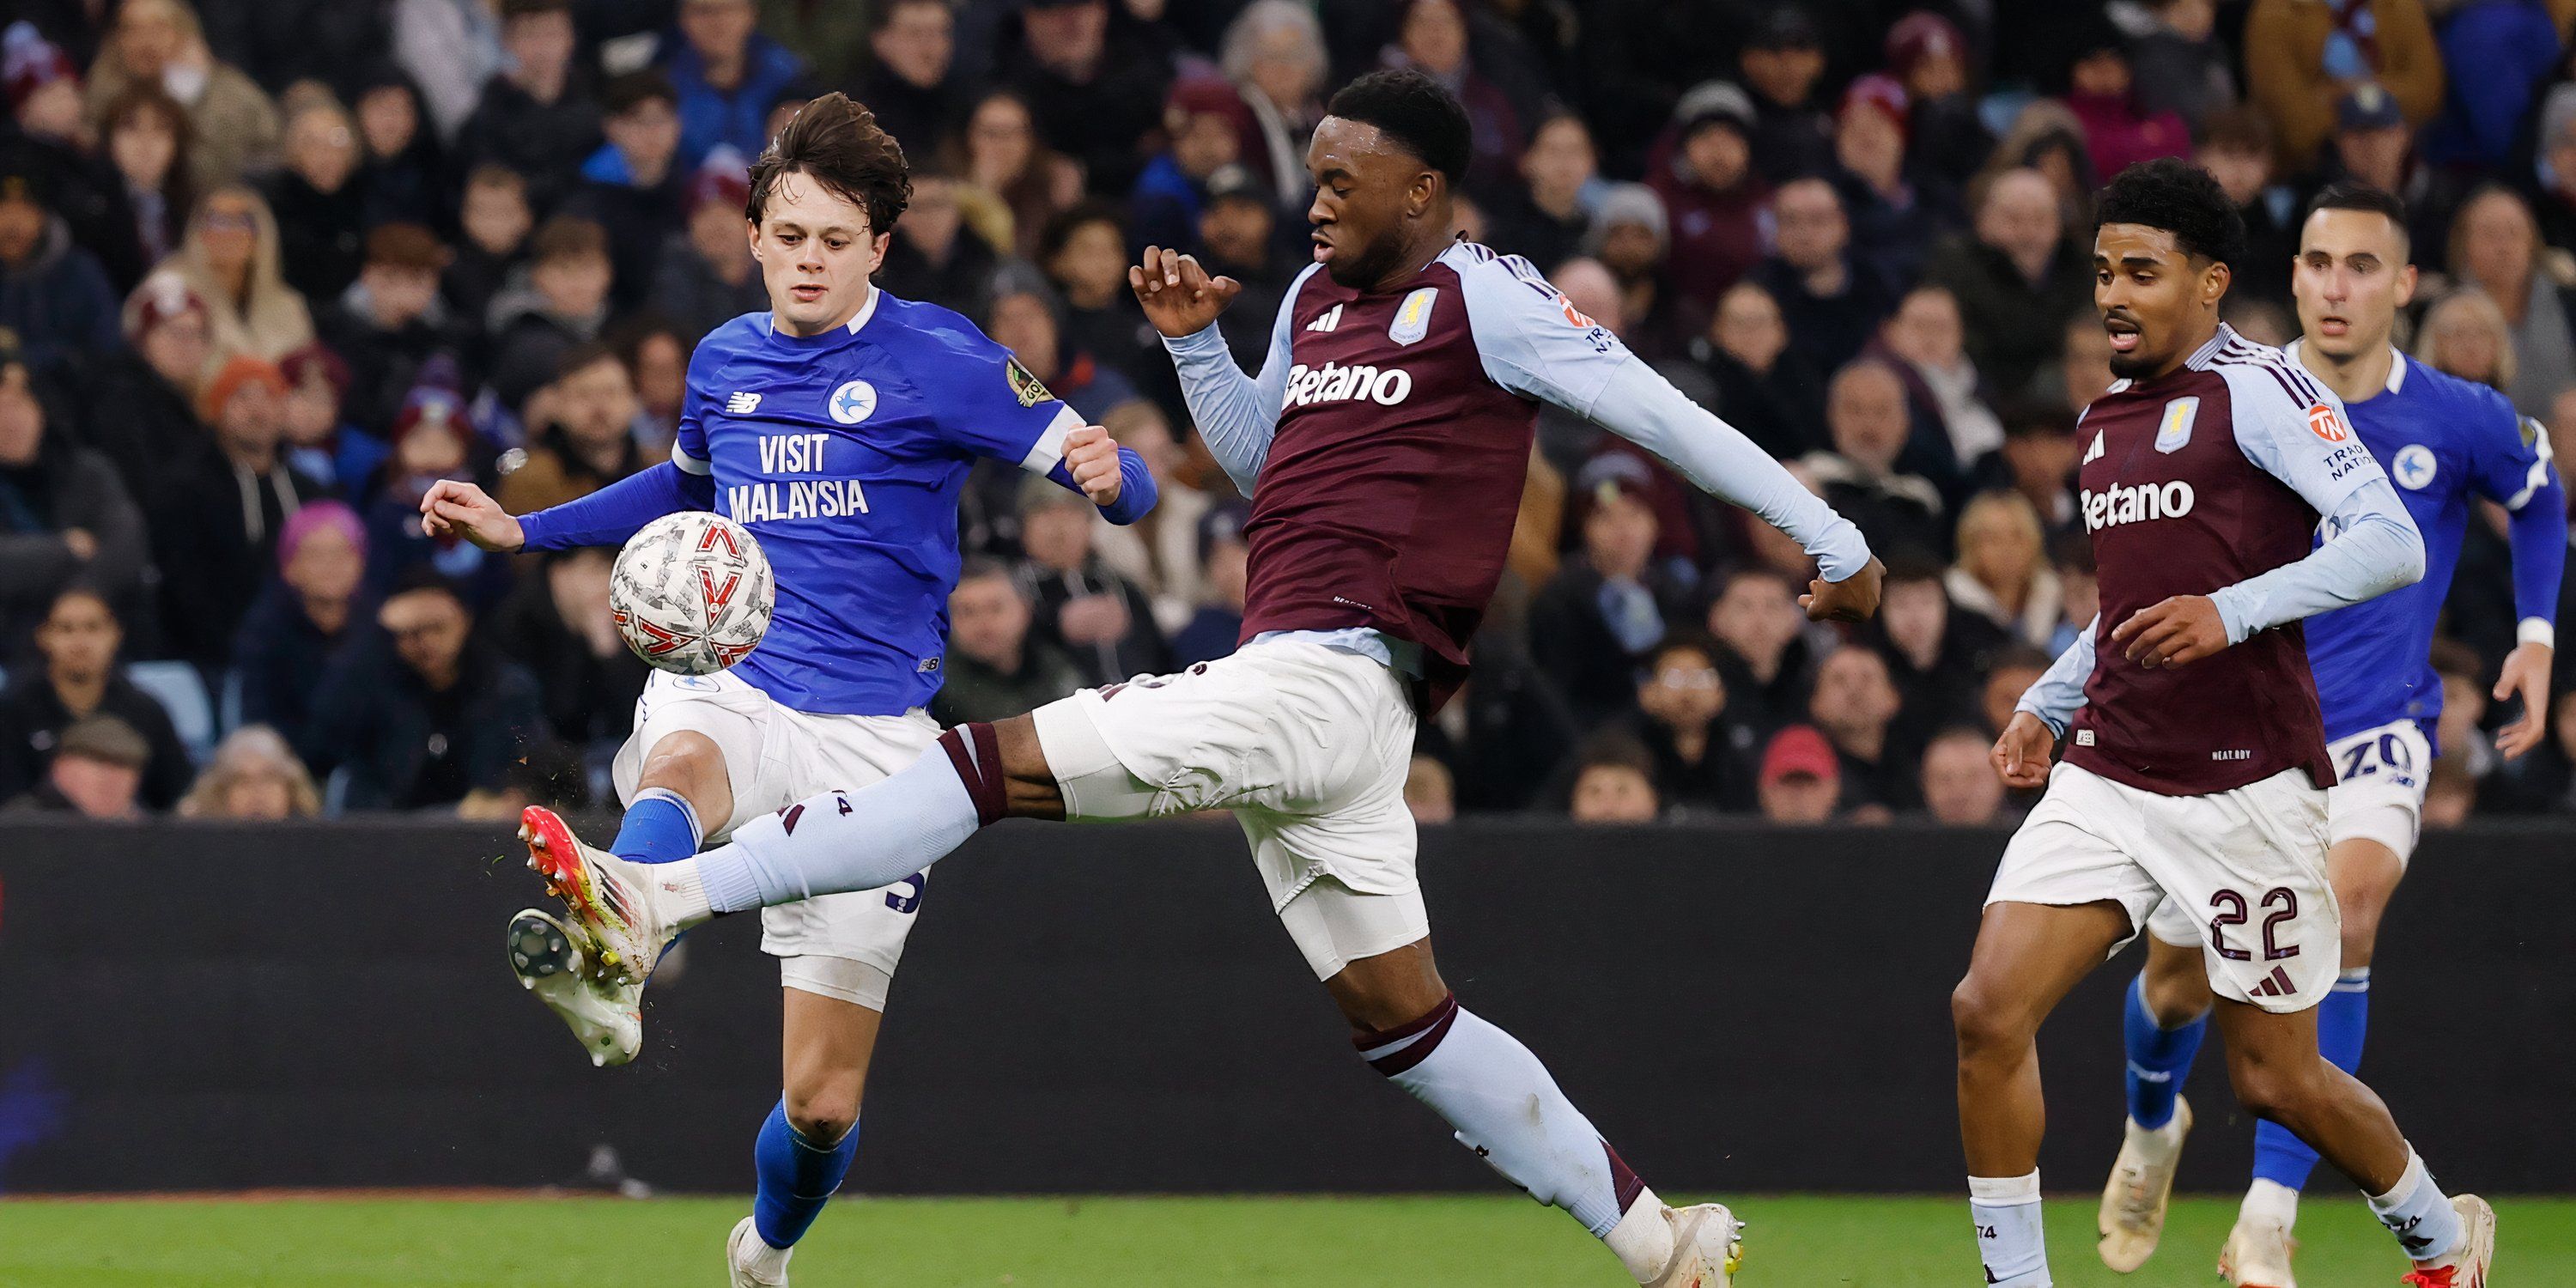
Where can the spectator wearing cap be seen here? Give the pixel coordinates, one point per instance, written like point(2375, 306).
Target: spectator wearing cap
point(2236, 149)
point(1217, 623)
point(1431, 38)
point(160, 42)
point(1598, 620)
point(403, 172)
point(1781, 62)
point(632, 186)
point(96, 773)
point(305, 618)
point(2303, 56)
point(2373, 145)
point(2101, 91)
point(1087, 103)
point(2176, 59)
point(535, 117)
point(1855, 704)
point(1274, 54)
point(583, 434)
point(1613, 782)
point(55, 300)
point(1896, 208)
point(389, 323)
point(995, 666)
point(494, 218)
point(1238, 237)
point(1716, 201)
point(1867, 415)
point(1204, 121)
point(420, 714)
point(231, 259)
point(216, 521)
point(1631, 237)
point(145, 138)
point(1700, 750)
point(727, 75)
point(64, 513)
point(1101, 619)
point(911, 83)
point(254, 776)
point(1770, 390)
point(2018, 278)
point(934, 256)
point(1801, 780)
point(77, 678)
point(557, 624)
point(559, 302)
point(1542, 217)
point(1960, 788)
point(138, 404)
point(319, 205)
point(1832, 301)
point(1928, 57)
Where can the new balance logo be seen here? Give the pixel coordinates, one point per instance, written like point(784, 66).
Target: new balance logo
point(742, 404)
point(2093, 453)
point(2276, 984)
point(1326, 320)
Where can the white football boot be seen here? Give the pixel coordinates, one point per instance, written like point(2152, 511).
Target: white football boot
point(2257, 1254)
point(750, 1263)
point(2467, 1265)
point(2141, 1185)
point(603, 1014)
point(615, 904)
point(1708, 1245)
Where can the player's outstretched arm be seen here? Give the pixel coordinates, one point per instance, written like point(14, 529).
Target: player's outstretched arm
point(606, 517)
point(1236, 414)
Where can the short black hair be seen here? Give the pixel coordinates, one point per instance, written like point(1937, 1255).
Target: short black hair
point(1418, 113)
point(2347, 194)
point(2180, 198)
point(623, 94)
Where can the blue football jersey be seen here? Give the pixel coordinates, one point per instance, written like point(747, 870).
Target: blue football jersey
point(2443, 441)
point(844, 454)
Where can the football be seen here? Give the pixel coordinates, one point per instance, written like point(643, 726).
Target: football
point(692, 593)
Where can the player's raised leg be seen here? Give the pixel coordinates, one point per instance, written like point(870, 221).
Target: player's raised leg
point(2027, 957)
point(2165, 1019)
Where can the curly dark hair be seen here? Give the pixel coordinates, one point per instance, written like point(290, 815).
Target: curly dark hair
point(2180, 198)
point(1417, 113)
point(841, 145)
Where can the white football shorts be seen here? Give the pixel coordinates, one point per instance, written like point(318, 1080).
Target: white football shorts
point(843, 946)
point(1307, 745)
point(2380, 798)
point(2248, 866)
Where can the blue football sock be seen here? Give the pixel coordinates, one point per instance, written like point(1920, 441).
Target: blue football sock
point(796, 1178)
point(660, 827)
point(2159, 1059)
point(2342, 1020)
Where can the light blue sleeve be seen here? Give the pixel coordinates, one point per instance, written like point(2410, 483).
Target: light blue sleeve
point(2371, 543)
point(1236, 414)
point(1535, 343)
point(2059, 691)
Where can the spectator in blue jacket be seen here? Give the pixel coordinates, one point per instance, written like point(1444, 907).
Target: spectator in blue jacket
point(53, 295)
point(728, 75)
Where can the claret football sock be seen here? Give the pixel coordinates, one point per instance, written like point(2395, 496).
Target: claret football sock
point(2159, 1059)
point(660, 827)
point(2418, 1213)
point(797, 1177)
point(2010, 1237)
point(2284, 1160)
point(864, 839)
point(1503, 1105)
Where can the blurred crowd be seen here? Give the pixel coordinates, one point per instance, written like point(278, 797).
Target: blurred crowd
point(271, 268)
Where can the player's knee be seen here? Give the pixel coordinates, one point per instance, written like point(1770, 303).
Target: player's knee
point(823, 1114)
point(2360, 936)
point(686, 762)
point(2174, 996)
point(2275, 1089)
point(1988, 1018)
point(1028, 782)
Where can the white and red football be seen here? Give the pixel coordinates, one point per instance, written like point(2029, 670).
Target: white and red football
point(692, 593)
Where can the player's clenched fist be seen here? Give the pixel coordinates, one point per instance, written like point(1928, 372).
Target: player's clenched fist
point(1179, 296)
point(1853, 599)
point(2185, 628)
point(2021, 755)
point(456, 509)
point(1091, 457)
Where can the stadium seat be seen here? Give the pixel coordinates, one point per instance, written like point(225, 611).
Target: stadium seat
point(181, 692)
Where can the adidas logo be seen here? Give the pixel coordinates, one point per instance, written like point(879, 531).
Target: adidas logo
point(2093, 453)
point(1326, 320)
point(742, 404)
point(2276, 984)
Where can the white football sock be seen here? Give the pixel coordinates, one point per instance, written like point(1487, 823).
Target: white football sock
point(1504, 1106)
point(1643, 1239)
point(865, 839)
point(2270, 1199)
point(2418, 1213)
point(2010, 1237)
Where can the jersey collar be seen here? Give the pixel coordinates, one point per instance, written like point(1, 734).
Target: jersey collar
point(866, 310)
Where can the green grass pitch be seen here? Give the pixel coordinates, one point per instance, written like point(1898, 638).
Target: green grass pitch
point(1794, 1242)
